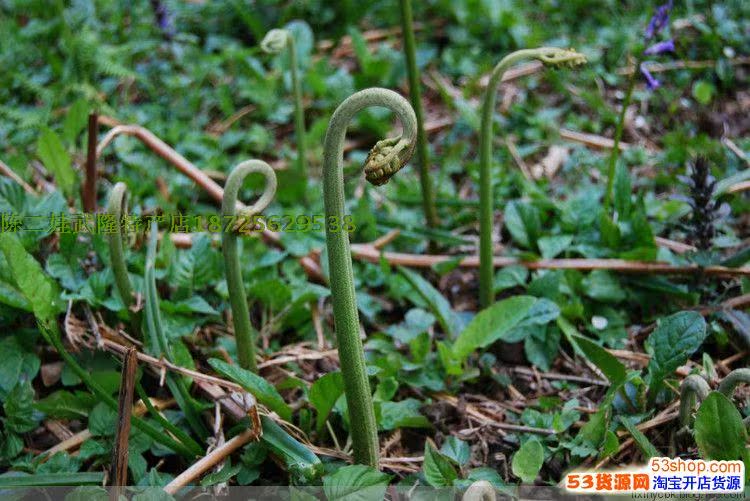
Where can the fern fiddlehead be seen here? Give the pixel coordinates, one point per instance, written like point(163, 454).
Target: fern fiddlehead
point(692, 387)
point(118, 208)
point(275, 42)
point(549, 56)
point(243, 330)
point(385, 159)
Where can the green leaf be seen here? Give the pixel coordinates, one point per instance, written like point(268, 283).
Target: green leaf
point(552, 246)
point(19, 413)
point(523, 222)
point(16, 479)
point(528, 461)
point(719, 430)
point(439, 306)
point(323, 395)
point(673, 341)
point(34, 284)
point(102, 420)
point(403, 414)
point(75, 120)
point(51, 152)
point(456, 449)
point(491, 324)
point(622, 191)
point(437, 468)
point(254, 384)
point(647, 448)
point(356, 482)
point(221, 476)
point(615, 371)
point(603, 286)
point(703, 91)
point(510, 276)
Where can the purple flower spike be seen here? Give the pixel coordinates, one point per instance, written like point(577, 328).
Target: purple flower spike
point(660, 48)
point(658, 21)
point(652, 82)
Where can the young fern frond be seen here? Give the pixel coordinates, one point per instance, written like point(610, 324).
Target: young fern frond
point(386, 158)
point(243, 329)
point(118, 209)
point(275, 42)
point(550, 56)
point(692, 388)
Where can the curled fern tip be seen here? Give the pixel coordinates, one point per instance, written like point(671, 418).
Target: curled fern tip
point(275, 41)
point(386, 158)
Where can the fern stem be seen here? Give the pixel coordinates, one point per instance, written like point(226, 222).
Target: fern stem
point(243, 330)
point(550, 56)
point(385, 159)
point(415, 97)
point(732, 380)
point(118, 209)
point(692, 387)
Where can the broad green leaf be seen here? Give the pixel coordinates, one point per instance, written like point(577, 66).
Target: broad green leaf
point(523, 222)
point(606, 362)
point(51, 152)
point(356, 482)
point(456, 449)
point(254, 384)
point(323, 395)
point(403, 414)
point(719, 430)
point(491, 324)
point(439, 306)
point(65, 405)
point(19, 413)
point(551, 247)
point(437, 468)
point(528, 461)
point(646, 447)
point(673, 341)
point(34, 284)
point(603, 286)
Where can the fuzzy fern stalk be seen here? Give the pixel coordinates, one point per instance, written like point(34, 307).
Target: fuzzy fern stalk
point(692, 388)
point(386, 158)
point(415, 96)
point(275, 42)
point(550, 56)
point(243, 330)
point(118, 208)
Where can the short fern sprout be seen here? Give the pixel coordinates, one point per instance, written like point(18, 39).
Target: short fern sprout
point(386, 158)
point(550, 56)
point(243, 330)
point(275, 42)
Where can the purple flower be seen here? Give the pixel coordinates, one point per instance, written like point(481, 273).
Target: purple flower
point(658, 21)
point(163, 19)
point(660, 48)
point(652, 82)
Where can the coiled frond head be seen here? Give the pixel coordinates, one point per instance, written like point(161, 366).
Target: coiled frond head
point(275, 41)
point(386, 158)
point(553, 56)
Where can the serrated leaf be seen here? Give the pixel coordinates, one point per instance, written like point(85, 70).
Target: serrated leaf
point(254, 384)
point(673, 341)
point(19, 412)
point(34, 284)
point(456, 449)
point(437, 468)
point(355, 483)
